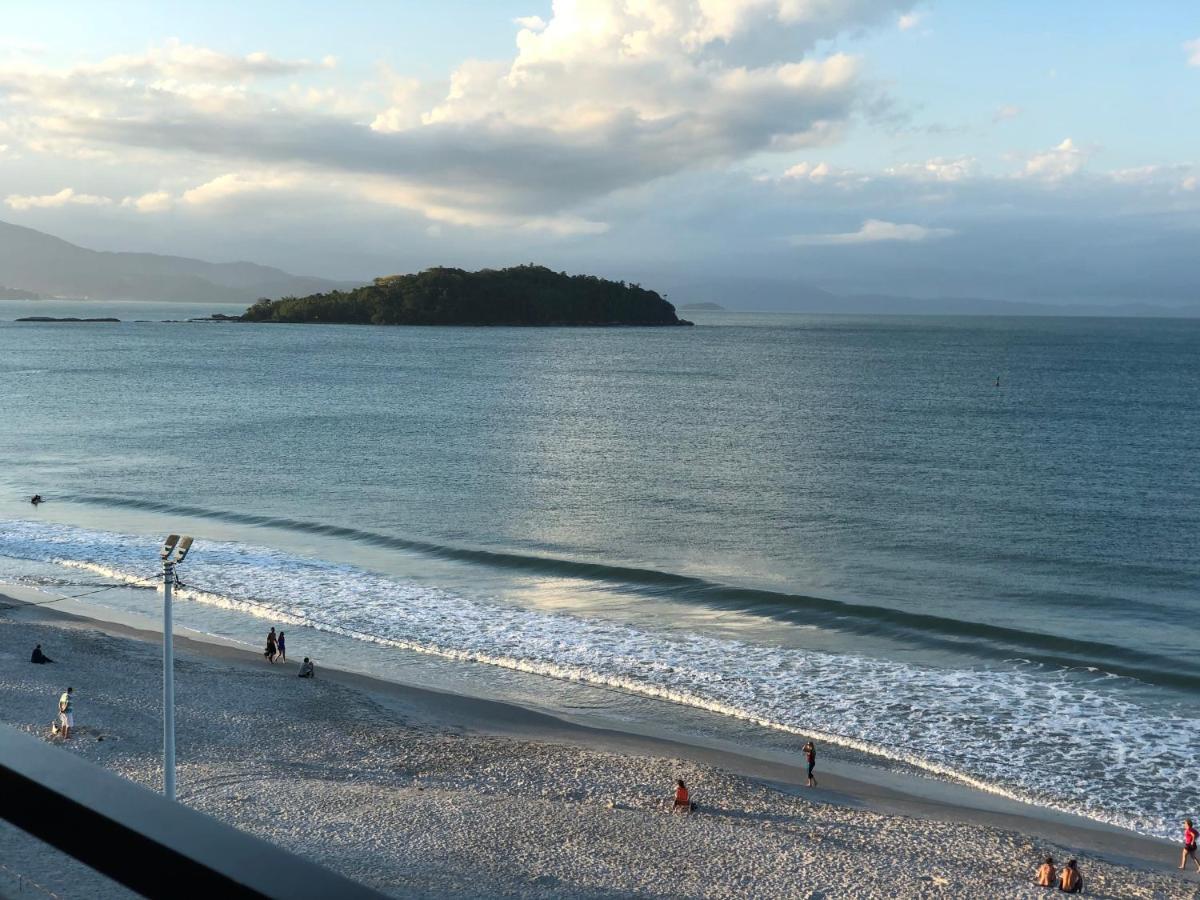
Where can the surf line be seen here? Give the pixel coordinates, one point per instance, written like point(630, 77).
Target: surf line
point(594, 678)
point(984, 639)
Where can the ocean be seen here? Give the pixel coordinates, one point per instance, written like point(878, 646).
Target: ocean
point(967, 546)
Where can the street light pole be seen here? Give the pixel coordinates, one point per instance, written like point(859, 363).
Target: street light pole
point(168, 683)
point(173, 551)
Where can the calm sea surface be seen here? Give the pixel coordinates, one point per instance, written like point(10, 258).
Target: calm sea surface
point(967, 544)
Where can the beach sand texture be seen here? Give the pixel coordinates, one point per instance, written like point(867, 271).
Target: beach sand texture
point(408, 797)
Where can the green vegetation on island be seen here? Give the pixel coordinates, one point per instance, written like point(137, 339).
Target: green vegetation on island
point(520, 295)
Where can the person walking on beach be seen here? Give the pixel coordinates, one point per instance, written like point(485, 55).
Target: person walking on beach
point(271, 650)
point(1069, 879)
point(1046, 876)
point(39, 657)
point(282, 648)
point(810, 755)
point(1189, 845)
point(66, 716)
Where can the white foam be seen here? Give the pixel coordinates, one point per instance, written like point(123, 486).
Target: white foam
point(1062, 739)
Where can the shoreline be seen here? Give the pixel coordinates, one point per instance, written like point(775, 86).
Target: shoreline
point(925, 800)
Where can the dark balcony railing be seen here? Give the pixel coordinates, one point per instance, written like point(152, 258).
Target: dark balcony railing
point(138, 838)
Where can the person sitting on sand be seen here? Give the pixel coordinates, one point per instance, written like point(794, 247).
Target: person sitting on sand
point(1189, 845)
point(1046, 876)
point(66, 716)
point(683, 801)
point(282, 654)
point(39, 657)
point(270, 652)
point(1069, 879)
point(306, 669)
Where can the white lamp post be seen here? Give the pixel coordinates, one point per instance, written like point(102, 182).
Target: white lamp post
point(174, 550)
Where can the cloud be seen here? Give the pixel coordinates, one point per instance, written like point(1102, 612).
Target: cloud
point(1193, 51)
point(1006, 112)
point(49, 201)
point(909, 21)
point(155, 201)
point(185, 62)
point(873, 231)
point(1054, 165)
point(937, 169)
point(605, 96)
point(235, 184)
point(531, 23)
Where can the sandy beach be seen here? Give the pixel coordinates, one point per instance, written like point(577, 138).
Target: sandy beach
point(420, 793)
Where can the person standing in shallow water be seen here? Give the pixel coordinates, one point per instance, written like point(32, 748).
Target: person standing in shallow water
point(810, 756)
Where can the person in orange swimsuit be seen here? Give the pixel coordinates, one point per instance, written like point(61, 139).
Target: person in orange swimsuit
point(682, 798)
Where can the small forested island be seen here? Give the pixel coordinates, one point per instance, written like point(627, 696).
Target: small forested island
point(520, 295)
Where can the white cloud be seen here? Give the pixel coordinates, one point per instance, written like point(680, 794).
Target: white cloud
point(1193, 52)
point(606, 95)
point(532, 23)
point(937, 169)
point(1006, 112)
point(873, 231)
point(1190, 183)
point(155, 201)
point(235, 184)
point(49, 201)
point(178, 61)
point(908, 21)
point(809, 172)
point(1054, 165)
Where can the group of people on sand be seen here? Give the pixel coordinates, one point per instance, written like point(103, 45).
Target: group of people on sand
point(276, 651)
point(276, 647)
point(683, 799)
point(1067, 879)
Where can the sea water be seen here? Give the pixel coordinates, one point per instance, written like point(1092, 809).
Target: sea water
point(965, 544)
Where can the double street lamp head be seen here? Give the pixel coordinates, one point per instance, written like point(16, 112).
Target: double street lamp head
point(175, 548)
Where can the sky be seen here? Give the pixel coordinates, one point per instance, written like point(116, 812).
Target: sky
point(1003, 150)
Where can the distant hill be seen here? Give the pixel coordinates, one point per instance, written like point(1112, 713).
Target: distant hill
point(37, 262)
point(18, 294)
point(521, 295)
point(795, 296)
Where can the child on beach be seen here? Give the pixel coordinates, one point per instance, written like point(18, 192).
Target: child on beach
point(282, 649)
point(306, 669)
point(1189, 845)
point(1046, 876)
point(66, 717)
point(1069, 879)
point(810, 754)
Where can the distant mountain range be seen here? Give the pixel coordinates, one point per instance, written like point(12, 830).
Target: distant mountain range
point(33, 263)
point(37, 265)
point(782, 295)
